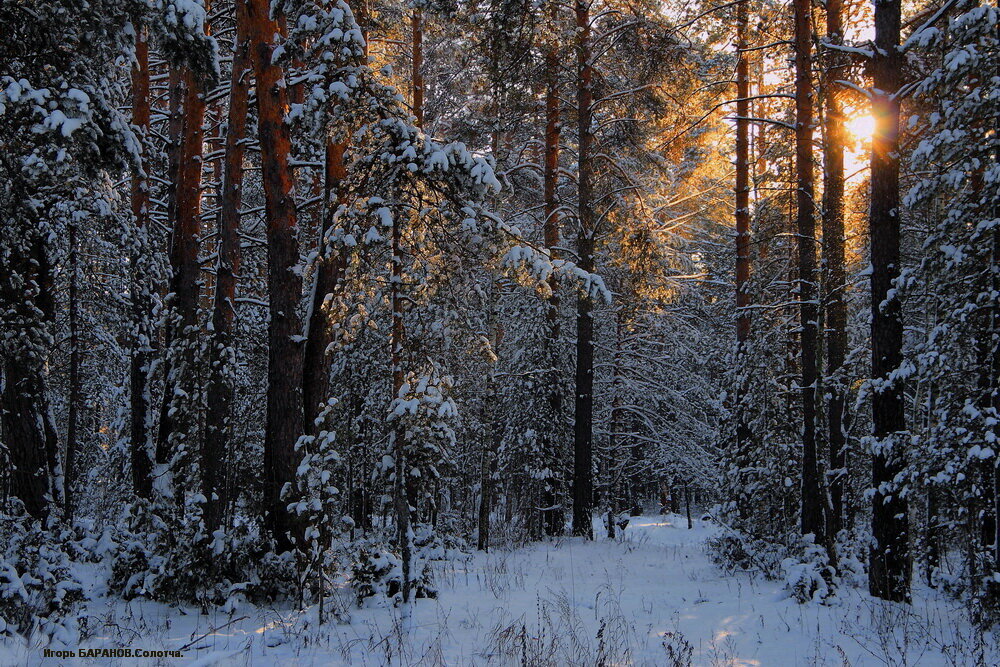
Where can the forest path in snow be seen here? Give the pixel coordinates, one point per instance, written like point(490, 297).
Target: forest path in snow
point(653, 596)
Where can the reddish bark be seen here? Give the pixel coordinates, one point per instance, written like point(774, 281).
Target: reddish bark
point(742, 217)
point(185, 269)
point(139, 398)
point(329, 270)
point(285, 412)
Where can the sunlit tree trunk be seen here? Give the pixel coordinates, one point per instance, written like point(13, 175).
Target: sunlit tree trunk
point(329, 270)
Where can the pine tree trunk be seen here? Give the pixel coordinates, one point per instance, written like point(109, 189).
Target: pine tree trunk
point(552, 518)
point(614, 427)
point(175, 418)
point(417, 26)
point(488, 462)
point(742, 223)
point(75, 393)
point(583, 454)
point(25, 424)
point(812, 506)
point(218, 424)
point(139, 366)
point(834, 274)
point(285, 412)
point(402, 489)
point(995, 359)
point(400, 485)
point(889, 562)
point(329, 272)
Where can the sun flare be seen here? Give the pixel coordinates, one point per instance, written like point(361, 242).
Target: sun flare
point(861, 127)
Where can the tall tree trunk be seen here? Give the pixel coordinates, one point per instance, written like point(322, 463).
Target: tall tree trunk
point(139, 366)
point(22, 401)
point(989, 378)
point(218, 424)
point(402, 487)
point(583, 483)
point(994, 363)
point(25, 422)
point(812, 506)
point(834, 275)
point(552, 518)
point(889, 562)
point(397, 342)
point(742, 222)
point(285, 411)
point(329, 270)
point(75, 393)
point(176, 420)
point(614, 464)
point(488, 462)
point(994, 385)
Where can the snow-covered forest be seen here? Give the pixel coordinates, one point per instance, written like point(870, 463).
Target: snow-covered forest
point(420, 332)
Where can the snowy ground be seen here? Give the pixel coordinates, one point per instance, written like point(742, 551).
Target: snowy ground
point(645, 599)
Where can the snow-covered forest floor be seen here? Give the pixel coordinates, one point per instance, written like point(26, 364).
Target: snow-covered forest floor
point(651, 597)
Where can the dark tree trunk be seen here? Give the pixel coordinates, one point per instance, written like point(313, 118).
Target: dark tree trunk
point(994, 363)
point(742, 222)
point(834, 275)
point(990, 370)
point(139, 367)
point(488, 462)
point(175, 417)
point(552, 517)
point(285, 412)
point(583, 483)
point(75, 392)
point(812, 505)
point(400, 487)
point(25, 422)
point(687, 505)
point(23, 401)
point(889, 561)
point(218, 425)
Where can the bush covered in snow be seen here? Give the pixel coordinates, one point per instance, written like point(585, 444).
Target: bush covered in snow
point(39, 590)
point(157, 559)
point(377, 574)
